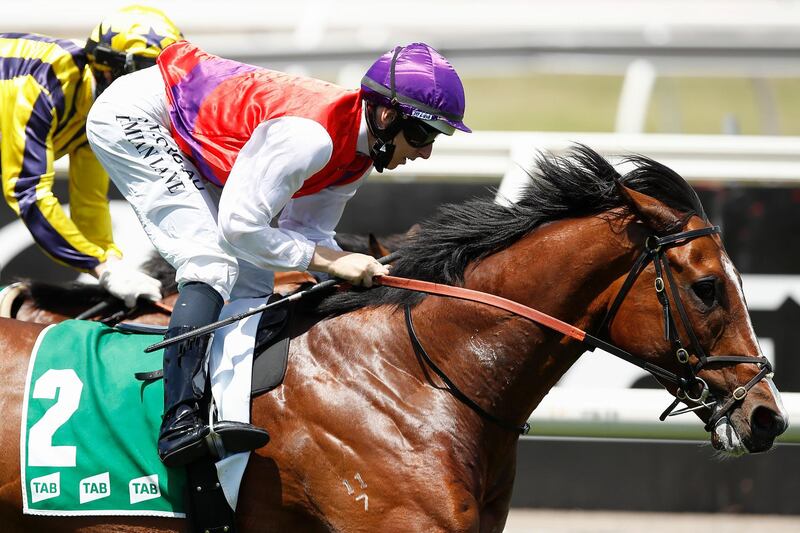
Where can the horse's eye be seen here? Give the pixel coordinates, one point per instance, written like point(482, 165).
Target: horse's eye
point(706, 290)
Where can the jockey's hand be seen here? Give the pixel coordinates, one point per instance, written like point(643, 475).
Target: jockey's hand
point(127, 283)
point(358, 269)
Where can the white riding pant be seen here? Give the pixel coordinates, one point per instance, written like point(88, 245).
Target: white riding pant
point(129, 130)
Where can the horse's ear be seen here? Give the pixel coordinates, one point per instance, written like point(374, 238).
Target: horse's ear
point(656, 214)
point(376, 248)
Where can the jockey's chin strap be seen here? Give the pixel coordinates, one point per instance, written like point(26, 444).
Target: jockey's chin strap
point(382, 150)
point(654, 251)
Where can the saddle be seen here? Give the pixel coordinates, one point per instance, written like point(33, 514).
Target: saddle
point(270, 354)
point(271, 351)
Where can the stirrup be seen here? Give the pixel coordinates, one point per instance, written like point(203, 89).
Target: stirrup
point(229, 436)
point(225, 437)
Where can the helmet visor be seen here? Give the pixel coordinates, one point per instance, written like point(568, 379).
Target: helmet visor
point(419, 134)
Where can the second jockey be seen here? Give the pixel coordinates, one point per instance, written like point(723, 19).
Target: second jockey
point(47, 86)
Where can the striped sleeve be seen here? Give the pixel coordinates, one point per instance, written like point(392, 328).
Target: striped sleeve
point(37, 88)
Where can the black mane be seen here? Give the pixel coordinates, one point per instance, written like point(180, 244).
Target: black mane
point(581, 183)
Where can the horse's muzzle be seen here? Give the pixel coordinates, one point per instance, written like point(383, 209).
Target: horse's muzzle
point(765, 426)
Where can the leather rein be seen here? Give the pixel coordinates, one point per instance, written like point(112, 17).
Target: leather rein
point(687, 383)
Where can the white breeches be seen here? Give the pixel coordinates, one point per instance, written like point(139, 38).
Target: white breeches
point(129, 131)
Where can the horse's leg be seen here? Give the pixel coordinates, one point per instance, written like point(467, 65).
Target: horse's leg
point(406, 519)
point(310, 495)
point(323, 481)
point(495, 512)
point(497, 499)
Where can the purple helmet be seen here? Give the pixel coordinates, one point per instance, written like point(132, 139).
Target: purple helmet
point(421, 83)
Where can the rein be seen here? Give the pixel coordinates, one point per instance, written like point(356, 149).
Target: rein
point(654, 251)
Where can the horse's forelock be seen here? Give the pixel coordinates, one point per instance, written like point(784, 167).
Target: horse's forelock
point(662, 183)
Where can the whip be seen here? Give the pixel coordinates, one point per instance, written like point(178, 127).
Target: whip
point(235, 318)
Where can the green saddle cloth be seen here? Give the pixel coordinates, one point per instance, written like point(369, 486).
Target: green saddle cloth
point(89, 428)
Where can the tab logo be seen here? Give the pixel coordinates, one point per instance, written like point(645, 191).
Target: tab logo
point(144, 488)
point(95, 487)
point(45, 487)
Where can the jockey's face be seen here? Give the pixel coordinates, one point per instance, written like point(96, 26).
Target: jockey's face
point(403, 151)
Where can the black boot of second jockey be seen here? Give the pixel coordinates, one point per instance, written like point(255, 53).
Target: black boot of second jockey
point(184, 432)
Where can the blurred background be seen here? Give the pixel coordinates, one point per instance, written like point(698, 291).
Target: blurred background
point(710, 88)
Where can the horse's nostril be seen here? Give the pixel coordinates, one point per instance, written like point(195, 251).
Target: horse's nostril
point(767, 422)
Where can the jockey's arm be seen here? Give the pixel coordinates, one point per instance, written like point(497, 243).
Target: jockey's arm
point(88, 199)
point(28, 176)
point(279, 156)
point(270, 168)
point(316, 216)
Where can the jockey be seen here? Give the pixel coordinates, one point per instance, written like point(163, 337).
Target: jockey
point(47, 86)
point(209, 151)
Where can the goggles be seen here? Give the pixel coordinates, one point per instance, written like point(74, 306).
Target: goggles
point(118, 61)
point(419, 134)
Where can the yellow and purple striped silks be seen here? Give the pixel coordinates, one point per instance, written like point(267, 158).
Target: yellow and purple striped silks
point(46, 90)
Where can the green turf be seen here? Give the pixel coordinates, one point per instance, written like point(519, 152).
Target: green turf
point(677, 105)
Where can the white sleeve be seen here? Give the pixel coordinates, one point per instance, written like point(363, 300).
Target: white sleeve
point(316, 215)
point(270, 168)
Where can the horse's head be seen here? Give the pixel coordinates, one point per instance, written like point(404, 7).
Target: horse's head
point(684, 311)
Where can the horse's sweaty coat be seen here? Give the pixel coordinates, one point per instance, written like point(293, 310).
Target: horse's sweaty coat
point(365, 438)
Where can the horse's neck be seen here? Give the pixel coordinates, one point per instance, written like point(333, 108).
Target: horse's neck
point(565, 269)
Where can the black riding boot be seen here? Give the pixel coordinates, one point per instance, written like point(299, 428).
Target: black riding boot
point(185, 436)
point(183, 431)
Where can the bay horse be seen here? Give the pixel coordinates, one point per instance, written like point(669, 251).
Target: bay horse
point(366, 436)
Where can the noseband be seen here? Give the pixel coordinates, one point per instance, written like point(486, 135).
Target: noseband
point(654, 251)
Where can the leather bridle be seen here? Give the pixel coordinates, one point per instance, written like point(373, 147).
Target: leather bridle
point(653, 251)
